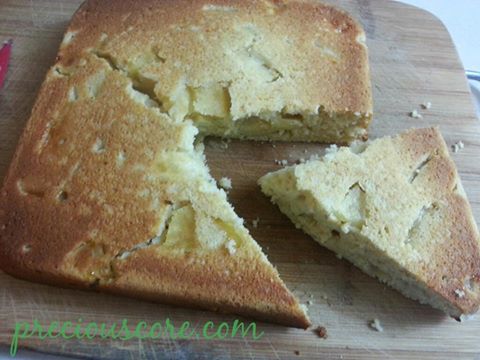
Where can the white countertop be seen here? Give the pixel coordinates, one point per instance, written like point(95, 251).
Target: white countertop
point(461, 17)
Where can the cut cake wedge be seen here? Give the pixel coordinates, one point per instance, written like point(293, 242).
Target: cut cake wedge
point(396, 209)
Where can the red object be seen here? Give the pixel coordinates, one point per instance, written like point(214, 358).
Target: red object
point(4, 60)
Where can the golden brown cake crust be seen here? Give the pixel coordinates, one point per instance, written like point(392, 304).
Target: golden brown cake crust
point(453, 270)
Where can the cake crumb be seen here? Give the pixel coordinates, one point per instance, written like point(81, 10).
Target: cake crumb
point(255, 222)
point(427, 105)
point(225, 183)
point(321, 332)
point(296, 352)
point(332, 149)
point(345, 228)
point(416, 115)
point(459, 293)
point(281, 162)
point(309, 302)
point(329, 153)
point(459, 145)
point(375, 325)
point(231, 247)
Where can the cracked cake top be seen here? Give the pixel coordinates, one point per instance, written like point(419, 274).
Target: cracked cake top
point(222, 59)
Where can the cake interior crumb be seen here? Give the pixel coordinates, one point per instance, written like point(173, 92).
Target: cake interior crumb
point(415, 114)
point(231, 247)
point(459, 145)
point(427, 105)
point(225, 183)
point(376, 325)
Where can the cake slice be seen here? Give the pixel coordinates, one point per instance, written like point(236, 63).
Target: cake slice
point(106, 192)
point(396, 209)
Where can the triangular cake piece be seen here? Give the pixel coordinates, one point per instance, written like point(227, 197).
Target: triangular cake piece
point(106, 192)
point(396, 209)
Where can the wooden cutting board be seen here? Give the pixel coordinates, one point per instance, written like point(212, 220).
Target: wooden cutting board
point(412, 60)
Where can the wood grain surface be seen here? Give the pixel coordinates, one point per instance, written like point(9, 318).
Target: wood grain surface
point(412, 60)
